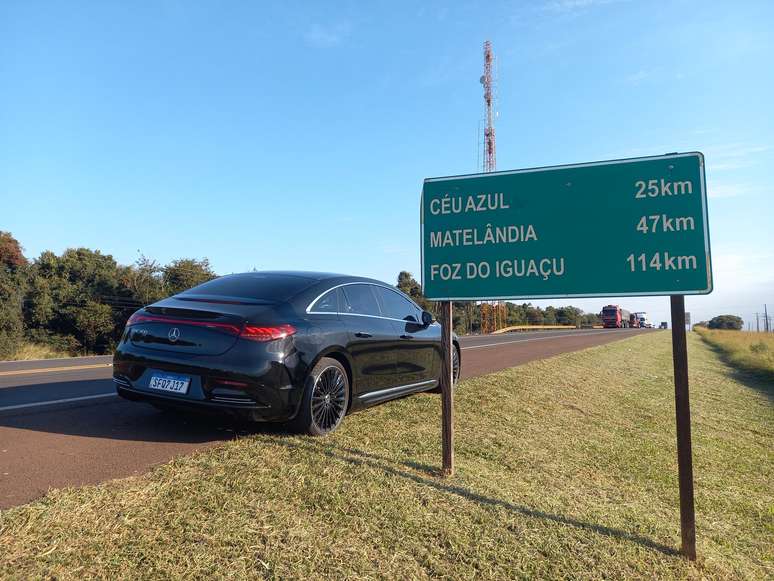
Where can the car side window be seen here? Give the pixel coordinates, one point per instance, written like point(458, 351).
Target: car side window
point(396, 306)
point(359, 299)
point(328, 303)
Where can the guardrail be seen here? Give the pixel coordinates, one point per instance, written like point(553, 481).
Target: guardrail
point(517, 328)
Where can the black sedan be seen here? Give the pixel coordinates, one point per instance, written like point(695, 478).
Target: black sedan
point(281, 346)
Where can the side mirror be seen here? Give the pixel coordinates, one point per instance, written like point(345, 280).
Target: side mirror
point(427, 318)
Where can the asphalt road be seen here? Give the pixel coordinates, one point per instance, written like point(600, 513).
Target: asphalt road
point(61, 423)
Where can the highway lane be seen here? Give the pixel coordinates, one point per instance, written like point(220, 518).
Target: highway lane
point(62, 425)
point(60, 381)
point(30, 384)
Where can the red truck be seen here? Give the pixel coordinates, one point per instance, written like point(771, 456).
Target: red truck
point(614, 317)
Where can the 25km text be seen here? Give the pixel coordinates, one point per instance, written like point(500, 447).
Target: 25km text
point(662, 187)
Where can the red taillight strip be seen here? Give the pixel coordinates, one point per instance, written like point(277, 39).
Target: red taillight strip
point(255, 333)
point(250, 332)
point(228, 327)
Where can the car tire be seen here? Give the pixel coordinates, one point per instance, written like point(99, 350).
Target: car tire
point(456, 366)
point(456, 369)
point(325, 400)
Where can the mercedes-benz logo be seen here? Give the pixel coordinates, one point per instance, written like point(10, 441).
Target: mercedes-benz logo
point(174, 334)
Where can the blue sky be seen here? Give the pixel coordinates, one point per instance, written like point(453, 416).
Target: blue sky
point(297, 135)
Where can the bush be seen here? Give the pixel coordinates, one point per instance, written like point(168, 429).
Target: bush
point(95, 325)
point(731, 322)
point(62, 343)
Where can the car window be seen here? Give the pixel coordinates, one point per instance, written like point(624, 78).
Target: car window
point(396, 306)
point(251, 285)
point(328, 303)
point(359, 299)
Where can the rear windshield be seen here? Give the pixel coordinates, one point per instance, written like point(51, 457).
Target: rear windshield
point(252, 285)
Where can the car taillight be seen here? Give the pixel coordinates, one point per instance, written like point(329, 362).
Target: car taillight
point(263, 334)
point(134, 319)
point(139, 318)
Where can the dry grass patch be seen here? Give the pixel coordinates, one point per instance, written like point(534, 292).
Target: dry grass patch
point(566, 469)
point(752, 352)
point(28, 351)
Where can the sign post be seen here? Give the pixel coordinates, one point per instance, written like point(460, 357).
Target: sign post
point(683, 421)
point(516, 235)
point(447, 393)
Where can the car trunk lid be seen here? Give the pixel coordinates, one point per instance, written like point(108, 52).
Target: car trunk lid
point(201, 328)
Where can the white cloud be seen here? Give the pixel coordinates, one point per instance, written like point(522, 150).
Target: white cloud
point(743, 269)
point(575, 5)
point(727, 190)
point(653, 75)
point(639, 76)
point(326, 36)
point(733, 156)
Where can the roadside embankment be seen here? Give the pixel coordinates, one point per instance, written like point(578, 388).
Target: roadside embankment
point(566, 468)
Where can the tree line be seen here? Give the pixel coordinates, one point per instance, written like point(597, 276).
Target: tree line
point(80, 300)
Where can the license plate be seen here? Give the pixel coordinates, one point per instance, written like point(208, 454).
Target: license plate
point(173, 383)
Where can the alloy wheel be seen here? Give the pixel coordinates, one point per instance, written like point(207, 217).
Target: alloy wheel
point(329, 399)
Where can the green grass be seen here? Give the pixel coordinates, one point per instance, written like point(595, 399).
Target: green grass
point(752, 352)
point(565, 469)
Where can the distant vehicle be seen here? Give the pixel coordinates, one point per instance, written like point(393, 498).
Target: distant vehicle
point(614, 317)
point(663, 325)
point(634, 322)
point(643, 319)
point(281, 346)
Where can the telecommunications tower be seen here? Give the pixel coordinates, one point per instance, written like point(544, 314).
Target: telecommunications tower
point(490, 150)
point(492, 314)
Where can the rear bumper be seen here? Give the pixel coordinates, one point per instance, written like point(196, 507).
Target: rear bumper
point(246, 411)
point(259, 382)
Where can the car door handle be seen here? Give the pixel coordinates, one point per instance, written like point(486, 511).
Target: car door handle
point(363, 335)
point(407, 336)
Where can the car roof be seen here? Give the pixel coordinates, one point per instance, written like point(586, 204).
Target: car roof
point(318, 282)
point(312, 276)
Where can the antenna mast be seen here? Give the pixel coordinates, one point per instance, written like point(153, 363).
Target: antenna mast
point(493, 315)
point(490, 150)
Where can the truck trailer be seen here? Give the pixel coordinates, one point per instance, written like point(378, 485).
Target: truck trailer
point(614, 317)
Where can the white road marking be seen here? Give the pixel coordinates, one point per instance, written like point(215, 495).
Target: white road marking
point(54, 401)
point(540, 339)
point(53, 369)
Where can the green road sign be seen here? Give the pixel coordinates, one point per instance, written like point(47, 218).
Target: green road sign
point(610, 228)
